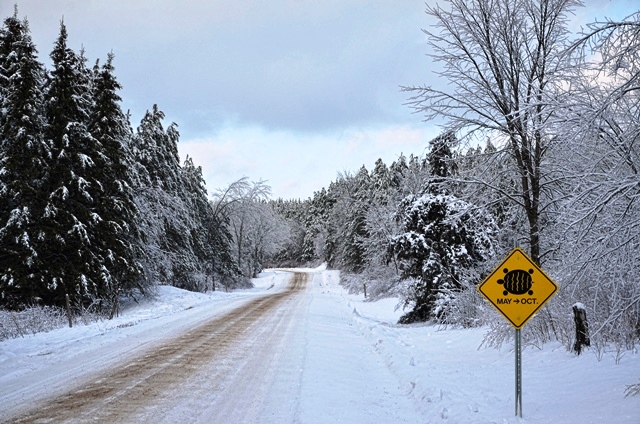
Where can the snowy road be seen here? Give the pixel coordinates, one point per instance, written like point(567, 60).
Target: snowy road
point(299, 349)
point(260, 362)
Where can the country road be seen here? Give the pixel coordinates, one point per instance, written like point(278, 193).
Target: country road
point(295, 349)
point(215, 362)
point(257, 363)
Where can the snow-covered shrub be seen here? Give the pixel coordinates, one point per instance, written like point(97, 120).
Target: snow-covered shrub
point(382, 282)
point(228, 282)
point(32, 320)
point(601, 272)
point(542, 328)
point(463, 307)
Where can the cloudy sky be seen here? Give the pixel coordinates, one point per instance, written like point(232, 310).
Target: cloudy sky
point(287, 91)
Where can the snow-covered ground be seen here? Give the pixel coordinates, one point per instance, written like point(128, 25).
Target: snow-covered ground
point(345, 361)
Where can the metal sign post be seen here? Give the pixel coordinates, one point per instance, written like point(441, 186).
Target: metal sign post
point(518, 374)
point(518, 288)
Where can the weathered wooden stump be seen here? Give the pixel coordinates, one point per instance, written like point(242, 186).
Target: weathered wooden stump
point(582, 327)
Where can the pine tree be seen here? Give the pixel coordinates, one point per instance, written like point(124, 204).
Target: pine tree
point(355, 234)
point(116, 238)
point(200, 210)
point(380, 183)
point(70, 218)
point(156, 150)
point(442, 236)
point(209, 233)
point(398, 172)
point(315, 243)
point(440, 159)
point(163, 201)
point(24, 172)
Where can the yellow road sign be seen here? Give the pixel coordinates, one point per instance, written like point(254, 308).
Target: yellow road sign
point(517, 288)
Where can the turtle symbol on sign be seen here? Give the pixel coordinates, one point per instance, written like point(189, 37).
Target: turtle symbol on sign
point(517, 281)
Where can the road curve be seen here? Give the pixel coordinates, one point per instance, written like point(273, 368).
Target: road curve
point(204, 375)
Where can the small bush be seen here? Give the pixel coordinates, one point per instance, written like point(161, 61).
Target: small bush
point(32, 320)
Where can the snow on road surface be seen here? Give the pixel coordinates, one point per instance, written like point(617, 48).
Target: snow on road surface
point(296, 349)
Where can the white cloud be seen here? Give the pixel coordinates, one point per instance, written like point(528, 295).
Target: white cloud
point(292, 91)
point(285, 64)
point(298, 164)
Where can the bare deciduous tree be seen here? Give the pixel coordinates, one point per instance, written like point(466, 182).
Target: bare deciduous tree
point(503, 61)
point(256, 229)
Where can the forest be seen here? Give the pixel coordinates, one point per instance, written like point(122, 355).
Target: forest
point(538, 150)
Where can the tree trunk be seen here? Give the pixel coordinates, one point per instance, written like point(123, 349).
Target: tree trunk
point(582, 328)
point(68, 303)
point(114, 307)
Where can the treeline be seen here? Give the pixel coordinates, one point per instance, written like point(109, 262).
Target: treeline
point(402, 230)
point(90, 209)
point(540, 151)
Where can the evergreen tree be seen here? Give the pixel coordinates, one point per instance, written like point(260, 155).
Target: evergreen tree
point(199, 207)
point(156, 150)
point(172, 206)
point(157, 182)
point(440, 158)
point(315, 243)
point(70, 219)
point(116, 238)
point(24, 157)
point(355, 234)
point(386, 185)
point(209, 234)
point(333, 226)
point(398, 172)
point(381, 182)
point(441, 237)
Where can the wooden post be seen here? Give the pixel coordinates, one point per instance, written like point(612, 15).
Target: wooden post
point(66, 298)
point(582, 327)
point(114, 307)
point(365, 290)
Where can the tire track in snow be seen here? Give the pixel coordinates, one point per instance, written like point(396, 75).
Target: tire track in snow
point(147, 383)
